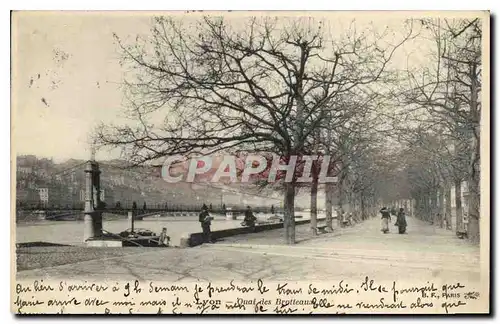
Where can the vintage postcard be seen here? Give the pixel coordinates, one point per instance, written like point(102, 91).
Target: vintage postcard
point(250, 162)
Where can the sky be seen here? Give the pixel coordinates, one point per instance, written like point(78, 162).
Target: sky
point(66, 76)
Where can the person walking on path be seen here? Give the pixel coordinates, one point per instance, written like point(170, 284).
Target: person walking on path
point(401, 221)
point(386, 217)
point(205, 220)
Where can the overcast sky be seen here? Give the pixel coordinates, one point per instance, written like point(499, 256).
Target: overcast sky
point(66, 75)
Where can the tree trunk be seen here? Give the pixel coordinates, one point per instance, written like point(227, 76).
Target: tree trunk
point(447, 209)
point(433, 206)
point(417, 206)
point(314, 188)
point(473, 208)
point(289, 218)
point(351, 206)
point(329, 206)
point(424, 200)
point(474, 165)
point(458, 206)
point(474, 194)
point(340, 213)
point(428, 207)
point(442, 209)
point(422, 207)
point(363, 209)
point(314, 205)
point(473, 230)
point(348, 210)
point(354, 209)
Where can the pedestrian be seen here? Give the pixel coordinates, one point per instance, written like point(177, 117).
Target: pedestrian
point(340, 216)
point(350, 219)
point(386, 217)
point(164, 239)
point(401, 221)
point(205, 220)
point(249, 219)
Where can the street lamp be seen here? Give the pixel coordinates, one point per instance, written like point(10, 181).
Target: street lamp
point(222, 198)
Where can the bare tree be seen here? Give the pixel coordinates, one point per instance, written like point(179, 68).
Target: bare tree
point(450, 94)
point(351, 129)
point(217, 87)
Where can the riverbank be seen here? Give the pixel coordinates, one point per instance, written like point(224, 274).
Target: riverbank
point(45, 255)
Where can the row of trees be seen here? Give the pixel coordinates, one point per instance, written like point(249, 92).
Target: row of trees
point(442, 134)
point(280, 85)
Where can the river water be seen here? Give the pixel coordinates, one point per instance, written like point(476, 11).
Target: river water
point(71, 232)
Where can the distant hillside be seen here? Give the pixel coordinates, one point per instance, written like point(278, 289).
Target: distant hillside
point(66, 181)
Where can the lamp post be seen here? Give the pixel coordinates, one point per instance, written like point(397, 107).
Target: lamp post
point(93, 217)
point(222, 198)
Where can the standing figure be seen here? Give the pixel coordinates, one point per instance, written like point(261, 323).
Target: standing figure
point(205, 220)
point(249, 219)
point(164, 239)
point(350, 219)
point(386, 217)
point(401, 221)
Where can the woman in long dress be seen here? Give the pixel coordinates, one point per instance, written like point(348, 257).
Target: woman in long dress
point(386, 217)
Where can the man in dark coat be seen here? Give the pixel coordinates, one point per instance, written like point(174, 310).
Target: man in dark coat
point(401, 221)
point(249, 219)
point(205, 220)
point(164, 239)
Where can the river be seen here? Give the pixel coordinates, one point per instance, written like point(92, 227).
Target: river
point(71, 232)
